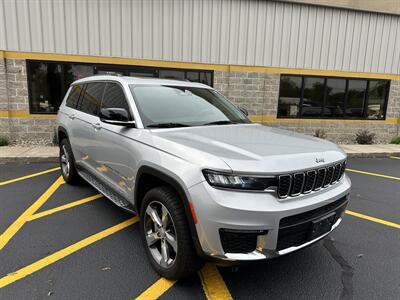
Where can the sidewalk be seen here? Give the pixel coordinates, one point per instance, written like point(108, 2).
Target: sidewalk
point(28, 154)
point(50, 154)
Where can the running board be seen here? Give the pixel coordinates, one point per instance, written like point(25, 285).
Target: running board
point(111, 195)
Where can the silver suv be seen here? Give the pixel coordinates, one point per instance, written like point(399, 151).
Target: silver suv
point(206, 181)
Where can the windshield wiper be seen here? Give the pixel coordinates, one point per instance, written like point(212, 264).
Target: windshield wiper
point(223, 122)
point(167, 125)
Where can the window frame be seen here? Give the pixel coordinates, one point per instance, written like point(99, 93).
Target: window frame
point(78, 107)
point(345, 117)
point(130, 110)
point(96, 68)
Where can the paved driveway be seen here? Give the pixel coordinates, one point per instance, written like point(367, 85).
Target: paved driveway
point(69, 242)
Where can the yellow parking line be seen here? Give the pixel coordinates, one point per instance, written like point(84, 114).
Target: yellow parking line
point(157, 289)
point(213, 284)
point(394, 157)
point(56, 256)
point(28, 176)
point(373, 219)
point(373, 174)
point(22, 219)
point(63, 207)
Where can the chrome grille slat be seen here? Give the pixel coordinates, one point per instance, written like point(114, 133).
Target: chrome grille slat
point(312, 180)
point(298, 184)
point(284, 185)
point(311, 177)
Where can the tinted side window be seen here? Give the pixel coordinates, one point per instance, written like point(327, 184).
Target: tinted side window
point(91, 99)
point(73, 97)
point(114, 97)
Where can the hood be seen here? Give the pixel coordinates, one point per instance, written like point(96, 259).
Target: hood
point(250, 148)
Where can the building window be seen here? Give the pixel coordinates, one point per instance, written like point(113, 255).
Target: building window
point(332, 97)
point(49, 81)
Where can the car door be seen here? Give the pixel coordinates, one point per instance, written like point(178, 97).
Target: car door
point(114, 156)
point(70, 112)
point(87, 124)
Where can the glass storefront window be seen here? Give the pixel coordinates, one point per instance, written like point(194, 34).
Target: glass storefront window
point(49, 81)
point(313, 96)
point(47, 89)
point(355, 98)
point(335, 97)
point(332, 97)
point(289, 96)
point(376, 99)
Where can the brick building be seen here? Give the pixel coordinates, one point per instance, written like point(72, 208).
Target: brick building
point(292, 64)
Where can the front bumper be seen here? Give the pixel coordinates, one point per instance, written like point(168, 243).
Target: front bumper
point(256, 212)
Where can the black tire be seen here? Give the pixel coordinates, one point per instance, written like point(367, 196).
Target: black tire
point(186, 261)
point(71, 176)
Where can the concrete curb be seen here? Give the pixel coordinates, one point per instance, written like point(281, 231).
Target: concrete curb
point(373, 155)
point(23, 160)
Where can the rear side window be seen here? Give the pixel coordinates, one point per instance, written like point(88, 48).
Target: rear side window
point(114, 97)
point(91, 99)
point(73, 97)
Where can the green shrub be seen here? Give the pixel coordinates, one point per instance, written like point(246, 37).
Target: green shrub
point(395, 140)
point(320, 133)
point(364, 137)
point(3, 141)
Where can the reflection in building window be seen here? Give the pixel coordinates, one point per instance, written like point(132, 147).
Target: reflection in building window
point(289, 96)
point(332, 97)
point(49, 81)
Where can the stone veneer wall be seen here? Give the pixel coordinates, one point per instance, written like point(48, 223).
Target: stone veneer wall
point(4, 122)
point(14, 98)
point(259, 92)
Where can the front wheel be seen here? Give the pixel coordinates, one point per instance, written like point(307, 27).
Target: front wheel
point(67, 163)
point(166, 236)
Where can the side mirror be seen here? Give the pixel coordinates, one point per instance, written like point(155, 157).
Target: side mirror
point(243, 110)
point(116, 116)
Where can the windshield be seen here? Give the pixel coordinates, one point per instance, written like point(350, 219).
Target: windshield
point(178, 106)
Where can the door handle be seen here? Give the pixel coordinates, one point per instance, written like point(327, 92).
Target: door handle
point(96, 126)
point(72, 116)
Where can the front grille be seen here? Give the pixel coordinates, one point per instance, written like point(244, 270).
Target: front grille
point(234, 241)
point(284, 185)
point(294, 230)
point(298, 182)
point(311, 180)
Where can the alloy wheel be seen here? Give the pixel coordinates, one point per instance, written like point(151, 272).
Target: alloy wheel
point(65, 161)
point(160, 234)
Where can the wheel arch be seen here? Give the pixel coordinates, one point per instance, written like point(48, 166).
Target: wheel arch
point(61, 134)
point(160, 178)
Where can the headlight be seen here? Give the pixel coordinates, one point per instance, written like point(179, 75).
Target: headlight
point(240, 182)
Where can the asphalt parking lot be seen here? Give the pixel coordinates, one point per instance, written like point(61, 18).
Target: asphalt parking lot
point(69, 242)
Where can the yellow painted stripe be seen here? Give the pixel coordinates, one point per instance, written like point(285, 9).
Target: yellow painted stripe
point(373, 174)
point(189, 65)
point(64, 207)
point(373, 219)
point(22, 219)
point(24, 114)
point(394, 157)
point(213, 284)
point(48, 260)
point(157, 289)
point(29, 176)
point(255, 118)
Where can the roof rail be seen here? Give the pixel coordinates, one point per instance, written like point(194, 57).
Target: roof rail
point(110, 74)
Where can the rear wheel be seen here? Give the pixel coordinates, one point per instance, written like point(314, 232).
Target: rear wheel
point(166, 236)
point(67, 163)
